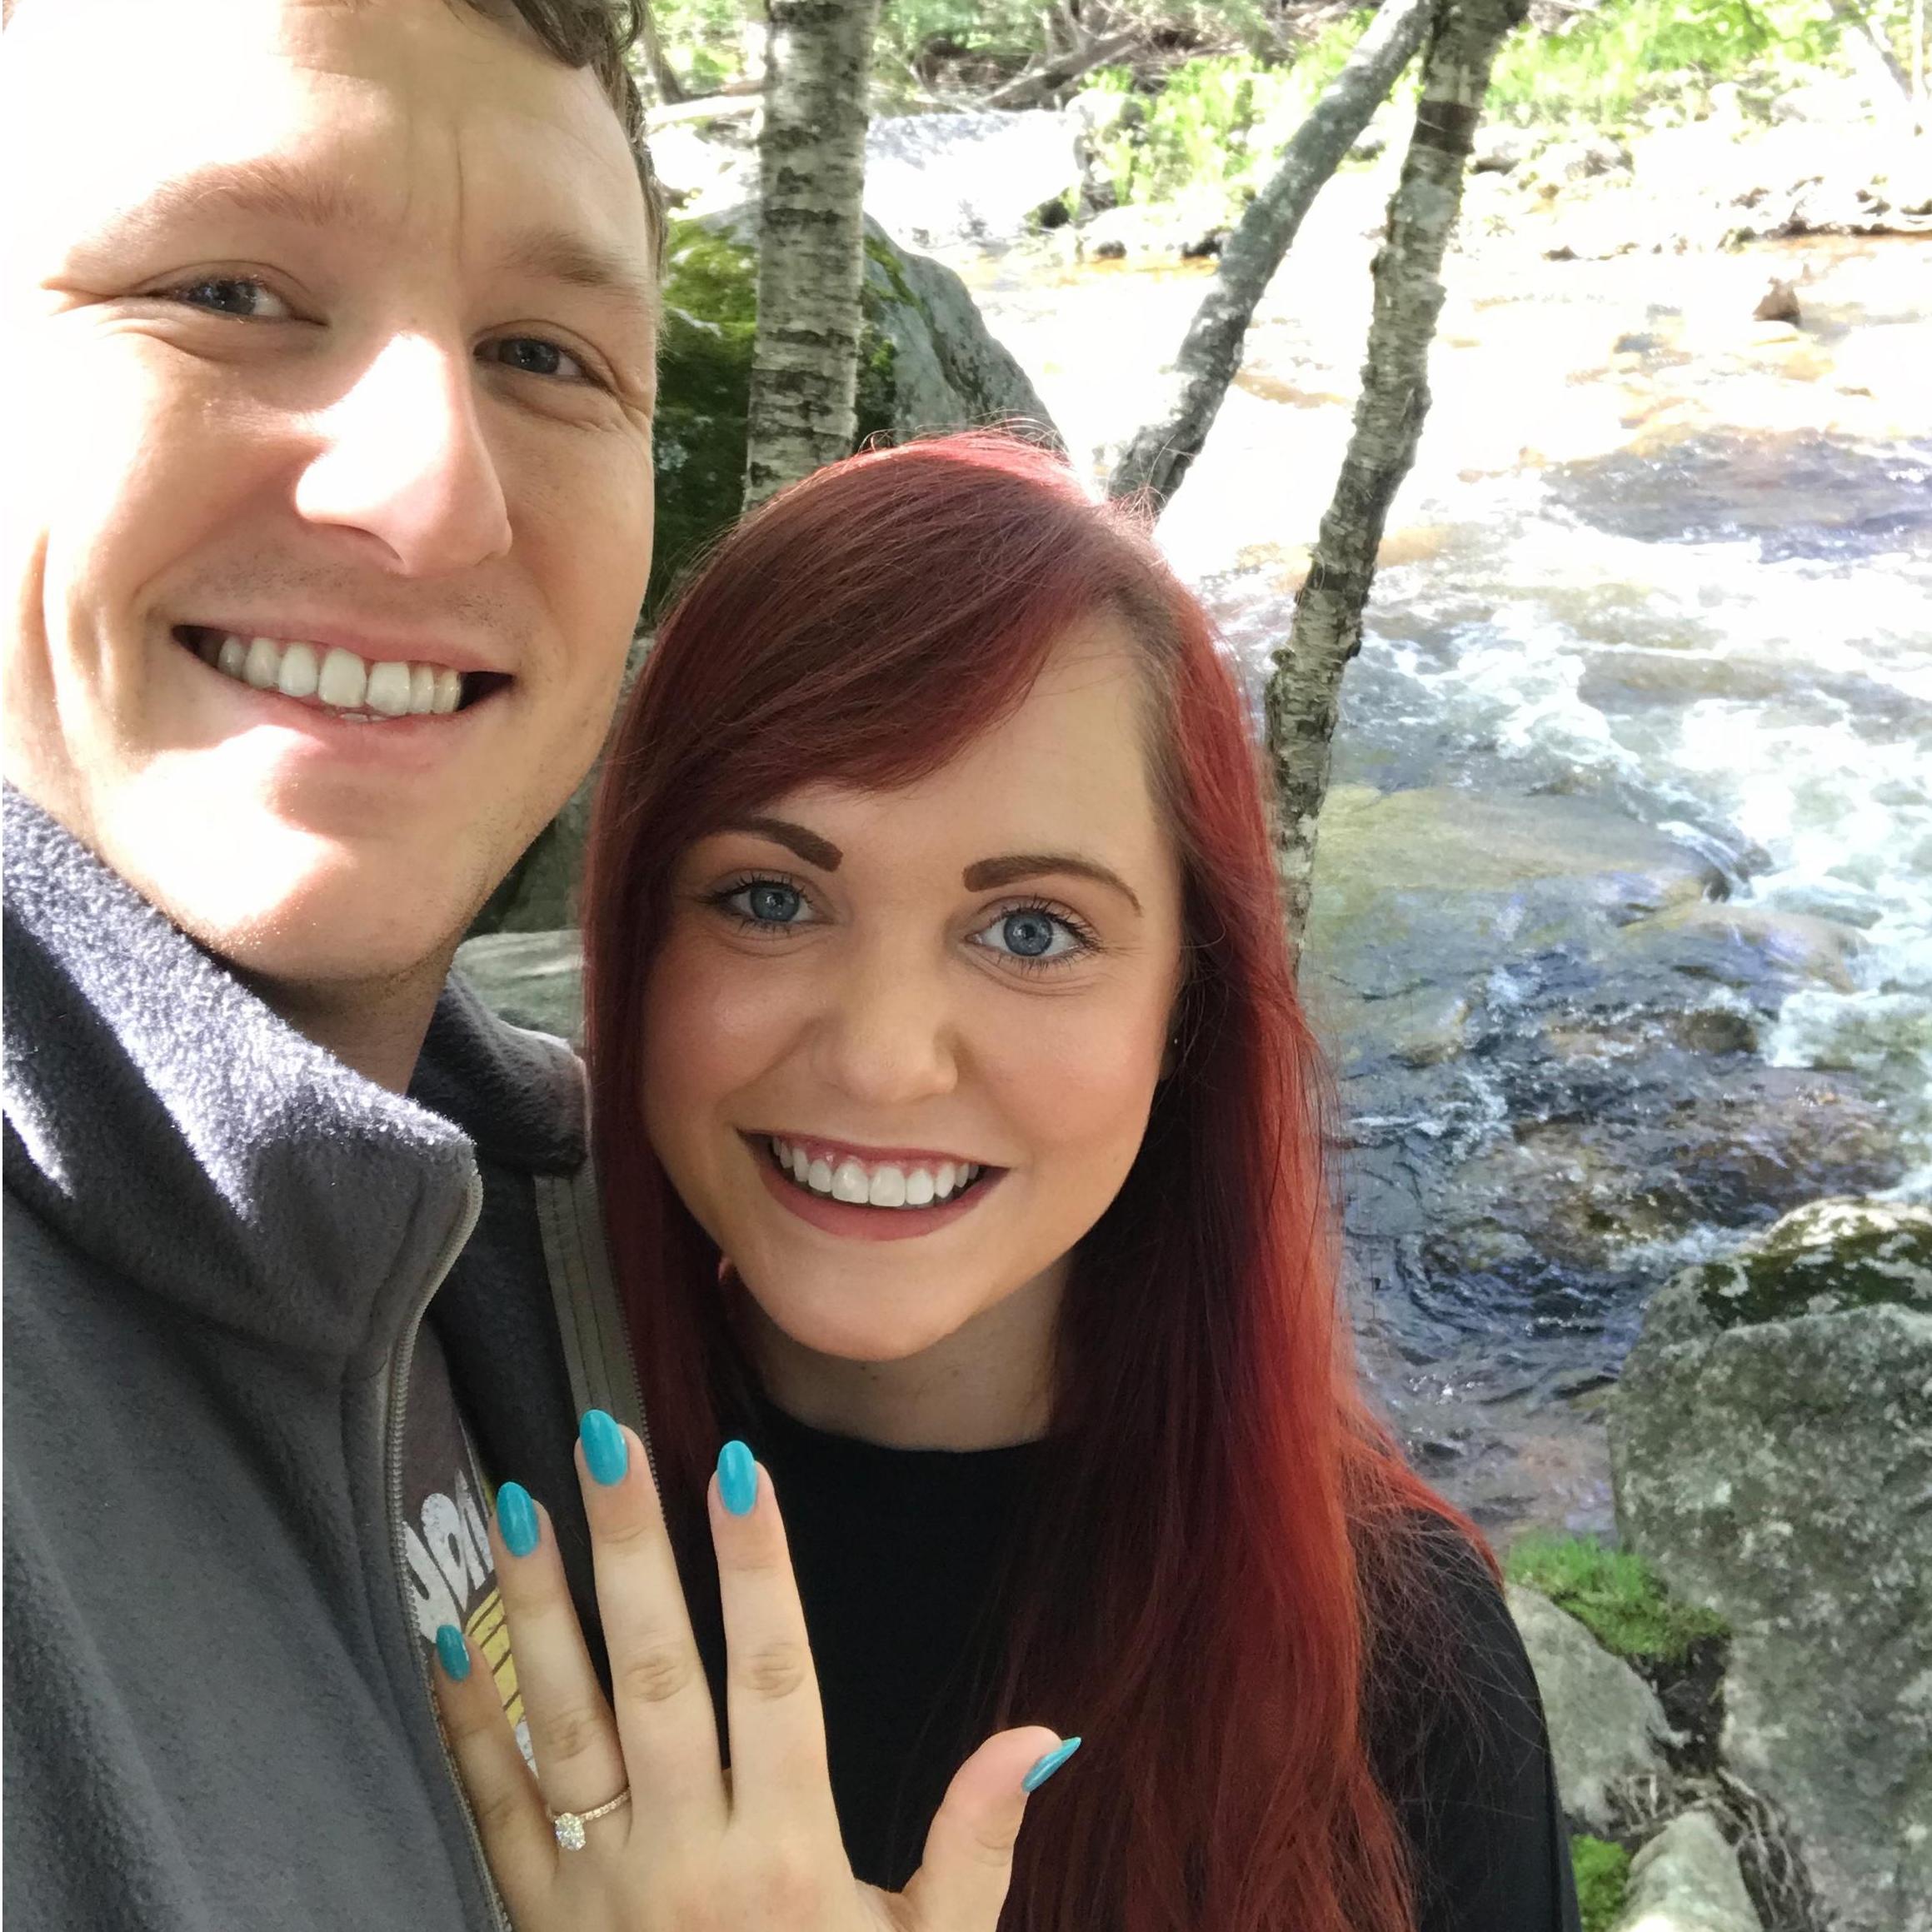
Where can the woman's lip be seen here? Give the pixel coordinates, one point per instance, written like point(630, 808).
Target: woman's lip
point(852, 1222)
point(872, 1156)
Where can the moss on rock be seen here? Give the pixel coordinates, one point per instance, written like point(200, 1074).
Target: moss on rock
point(1614, 1593)
point(1823, 1260)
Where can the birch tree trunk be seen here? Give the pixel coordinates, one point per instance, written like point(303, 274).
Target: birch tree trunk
point(811, 164)
point(1159, 455)
point(1305, 687)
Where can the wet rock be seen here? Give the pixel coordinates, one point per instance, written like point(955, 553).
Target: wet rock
point(1499, 149)
point(1418, 888)
point(1771, 1445)
point(531, 979)
point(1686, 1879)
point(1778, 303)
point(1766, 953)
point(1605, 1724)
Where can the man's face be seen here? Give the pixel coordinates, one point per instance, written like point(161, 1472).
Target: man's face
point(330, 329)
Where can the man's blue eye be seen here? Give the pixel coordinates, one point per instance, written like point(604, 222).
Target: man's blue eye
point(533, 356)
point(234, 295)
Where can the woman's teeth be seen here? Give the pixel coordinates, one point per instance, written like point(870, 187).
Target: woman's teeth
point(333, 677)
point(887, 1185)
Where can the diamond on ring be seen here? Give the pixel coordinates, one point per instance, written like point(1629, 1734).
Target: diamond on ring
point(569, 1826)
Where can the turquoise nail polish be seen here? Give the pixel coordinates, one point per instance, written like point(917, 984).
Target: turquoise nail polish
point(607, 1455)
point(1049, 1765)
point(516, 1518)
point(737, 1479)
point(450, 1648)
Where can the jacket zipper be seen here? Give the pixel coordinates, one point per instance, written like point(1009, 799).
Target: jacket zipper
point(398, 1404)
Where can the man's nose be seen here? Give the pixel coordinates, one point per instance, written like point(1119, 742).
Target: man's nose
point(888, 1036)
point(403, 457)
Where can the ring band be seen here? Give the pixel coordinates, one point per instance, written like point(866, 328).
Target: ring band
point(569, 1826)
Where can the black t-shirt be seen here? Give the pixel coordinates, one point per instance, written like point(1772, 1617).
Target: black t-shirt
point(899, 1554)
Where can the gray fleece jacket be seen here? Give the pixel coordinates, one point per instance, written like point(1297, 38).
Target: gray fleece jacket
point(219, 1245)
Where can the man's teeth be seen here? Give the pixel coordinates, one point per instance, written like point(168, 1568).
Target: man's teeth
point(887, 1185)
point(336, 677)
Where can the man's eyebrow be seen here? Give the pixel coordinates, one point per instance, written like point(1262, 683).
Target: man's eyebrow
point(985, 874)
point(557, 254)
point(270, 189)
point(310, 198)
point(795, 838)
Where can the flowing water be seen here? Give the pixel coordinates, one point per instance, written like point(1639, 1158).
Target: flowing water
point(1654, 554)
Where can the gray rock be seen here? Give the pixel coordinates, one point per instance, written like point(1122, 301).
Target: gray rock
point(1686, 1879)
point(1771, 1448)
point(1605, 1723)
point(532, 979)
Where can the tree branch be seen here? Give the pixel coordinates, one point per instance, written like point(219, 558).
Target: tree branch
point(1159, 455)
point(1305, 688)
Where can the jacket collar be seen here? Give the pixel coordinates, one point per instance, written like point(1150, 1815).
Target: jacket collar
point(164, 1121)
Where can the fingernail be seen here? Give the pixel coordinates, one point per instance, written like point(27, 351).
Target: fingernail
point(607, 1455)
point(1049, 1765)
point(516, 1518)
point(454, 1653)
point(738, 1478)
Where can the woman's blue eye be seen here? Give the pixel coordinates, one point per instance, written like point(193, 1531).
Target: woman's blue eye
point(769, 903)
point(1031, 934)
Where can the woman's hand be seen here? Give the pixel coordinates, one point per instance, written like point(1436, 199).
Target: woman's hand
point(696, 1848)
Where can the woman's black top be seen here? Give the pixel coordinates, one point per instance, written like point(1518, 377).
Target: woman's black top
point(898, 1555)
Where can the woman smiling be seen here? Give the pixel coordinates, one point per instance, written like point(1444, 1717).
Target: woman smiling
point(962, 1151)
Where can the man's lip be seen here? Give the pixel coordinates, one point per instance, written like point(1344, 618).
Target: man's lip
point(872, 1156)
point(373, 645)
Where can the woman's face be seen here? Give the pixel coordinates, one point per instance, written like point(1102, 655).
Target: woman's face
point(901, 1045)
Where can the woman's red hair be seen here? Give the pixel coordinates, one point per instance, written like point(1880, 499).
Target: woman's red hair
point(1201, 1593)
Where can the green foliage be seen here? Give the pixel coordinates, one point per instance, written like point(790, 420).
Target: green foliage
point(1219, 121)
point(1603, 1875)
point(704, 40)
point(1614, 1592)
point(1611, 64)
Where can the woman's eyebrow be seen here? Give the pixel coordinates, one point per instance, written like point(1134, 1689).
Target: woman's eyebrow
point(795, 838)
point(984, 875)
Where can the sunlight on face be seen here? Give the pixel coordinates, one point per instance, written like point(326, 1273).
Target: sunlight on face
point(340, 324)
point(976, 972)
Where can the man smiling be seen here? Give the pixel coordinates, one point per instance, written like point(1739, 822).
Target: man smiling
point(327, 516)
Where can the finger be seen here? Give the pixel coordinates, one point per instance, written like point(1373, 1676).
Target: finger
point(579, 1765)
point(666, 1723)
point(778, 1758)
point(962, 1882)
point(511, 1820)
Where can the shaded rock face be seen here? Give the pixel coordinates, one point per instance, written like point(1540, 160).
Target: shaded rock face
point(1606, 1726)
point(1775, 1463)
point(531, 979)
point(1545, 1017)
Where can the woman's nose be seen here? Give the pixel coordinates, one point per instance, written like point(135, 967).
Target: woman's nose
point(887, 1037)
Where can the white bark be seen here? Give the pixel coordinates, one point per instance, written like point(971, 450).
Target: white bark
point(812, 176)
point(1305, 688)
point(1159, 455)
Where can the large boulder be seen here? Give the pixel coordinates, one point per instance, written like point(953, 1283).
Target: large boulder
point(1606, 1726)
point(927, 361)
point(1771, 1448)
